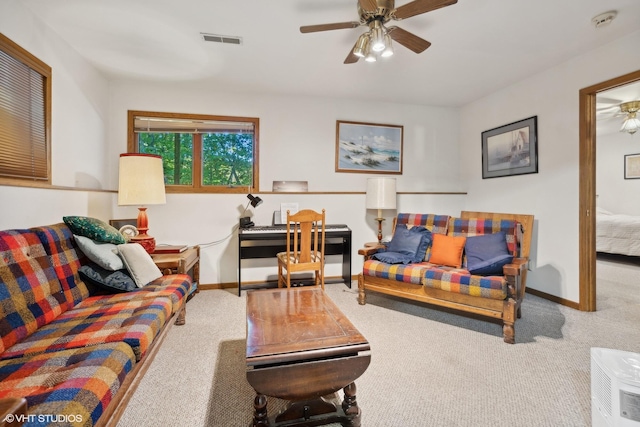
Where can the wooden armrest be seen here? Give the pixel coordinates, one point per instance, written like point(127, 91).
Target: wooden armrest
point(369, 250)
point(13, 411)
point(517, 266)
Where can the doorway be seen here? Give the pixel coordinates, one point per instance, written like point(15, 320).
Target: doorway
point(587, 175)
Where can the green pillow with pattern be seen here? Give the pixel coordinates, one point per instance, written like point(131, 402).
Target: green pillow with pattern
point(94, 229)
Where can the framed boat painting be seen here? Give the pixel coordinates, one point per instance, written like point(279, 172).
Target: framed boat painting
point(368, 148)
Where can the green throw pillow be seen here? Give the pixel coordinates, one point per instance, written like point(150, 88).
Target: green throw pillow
point(94, 229)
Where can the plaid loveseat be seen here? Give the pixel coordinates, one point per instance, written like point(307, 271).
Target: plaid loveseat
point(494, 295)
point(65, 349)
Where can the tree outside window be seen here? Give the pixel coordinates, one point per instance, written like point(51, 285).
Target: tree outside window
point(203, 154)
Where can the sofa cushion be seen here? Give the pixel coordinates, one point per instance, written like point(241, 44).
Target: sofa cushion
point(410, 273)
point(113, 281)
point(94, 229)
point(135, 321)
point(66, 259)
point(173, 286)
point(30, 293)
point(102, 254)
point(78, 382)
point(447, 250)
point(487, 254)
point(461, 282)
point(434, 223)
point(139, 263)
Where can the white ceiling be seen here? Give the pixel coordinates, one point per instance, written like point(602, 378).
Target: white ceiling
point(478, 46)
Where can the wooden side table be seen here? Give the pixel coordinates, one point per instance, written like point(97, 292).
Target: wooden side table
point(13, 411)
point(185, 262)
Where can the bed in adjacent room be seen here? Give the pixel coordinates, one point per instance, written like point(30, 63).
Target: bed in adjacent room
point(617, 233)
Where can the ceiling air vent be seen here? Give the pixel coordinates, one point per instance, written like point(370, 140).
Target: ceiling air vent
point(217, 38)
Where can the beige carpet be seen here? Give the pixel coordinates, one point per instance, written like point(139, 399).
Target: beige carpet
point(428, 368)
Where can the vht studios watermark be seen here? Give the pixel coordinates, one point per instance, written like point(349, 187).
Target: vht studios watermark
point(43, 418)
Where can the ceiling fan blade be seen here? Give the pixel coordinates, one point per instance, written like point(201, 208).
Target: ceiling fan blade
point(604, 100)
point(368, 5)
point(417, 7)
point(328, 27)
point(408, 40)
point(352, 58)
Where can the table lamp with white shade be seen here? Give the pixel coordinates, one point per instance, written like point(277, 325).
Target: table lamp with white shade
point(141, 182)
point(381, 194)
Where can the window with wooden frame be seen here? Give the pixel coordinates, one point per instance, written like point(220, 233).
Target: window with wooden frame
point(200, 153)
point(25, 117)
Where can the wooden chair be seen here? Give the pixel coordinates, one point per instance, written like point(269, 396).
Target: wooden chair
point(305, 247)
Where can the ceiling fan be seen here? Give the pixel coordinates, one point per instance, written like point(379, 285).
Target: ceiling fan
point(375, 14)
point(617, 108)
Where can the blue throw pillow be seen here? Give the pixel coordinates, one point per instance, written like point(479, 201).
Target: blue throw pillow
point(425, 243)
point(114, 281)
point(393, 257)
point(412, 242)
point(492, 266)
point(487, 254)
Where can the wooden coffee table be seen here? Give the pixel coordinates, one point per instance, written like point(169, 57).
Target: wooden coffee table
point(300, 347)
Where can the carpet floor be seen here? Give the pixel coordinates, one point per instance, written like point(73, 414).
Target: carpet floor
point(428, 367)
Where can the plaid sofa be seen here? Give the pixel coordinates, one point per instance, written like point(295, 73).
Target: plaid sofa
point(64, 347)
point(495, 295)
point(457, 280)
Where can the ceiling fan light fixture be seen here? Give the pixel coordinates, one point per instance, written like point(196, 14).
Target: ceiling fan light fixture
point(631, 123)
point(361, 46)
point(388, 49)
point(370, 56)
point(377, 37)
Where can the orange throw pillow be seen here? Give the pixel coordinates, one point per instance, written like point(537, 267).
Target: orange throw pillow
point(447, 250)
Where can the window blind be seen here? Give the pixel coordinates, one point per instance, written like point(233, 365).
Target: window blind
point(24, 139)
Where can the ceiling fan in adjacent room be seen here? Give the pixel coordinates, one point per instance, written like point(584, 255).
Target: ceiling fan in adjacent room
point(607, 109)
point(375, 14)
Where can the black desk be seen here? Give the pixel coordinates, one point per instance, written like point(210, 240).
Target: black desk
point(266, 242)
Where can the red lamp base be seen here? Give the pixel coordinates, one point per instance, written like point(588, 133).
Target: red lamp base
point(147, 242)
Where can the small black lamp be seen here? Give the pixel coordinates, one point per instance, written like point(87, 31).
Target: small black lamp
point(255, 201)
point(245, 221)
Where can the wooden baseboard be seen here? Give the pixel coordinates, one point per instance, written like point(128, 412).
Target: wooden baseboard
point(230, 285)
point(553, 298)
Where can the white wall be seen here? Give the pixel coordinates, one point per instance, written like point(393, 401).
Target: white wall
point(78, 137)
point(551, 194)
point(80, 100)
point(297, 142)
point(616, 194)
point(297, 134)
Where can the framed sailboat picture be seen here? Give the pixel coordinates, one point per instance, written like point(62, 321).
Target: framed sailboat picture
point(510, 149)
